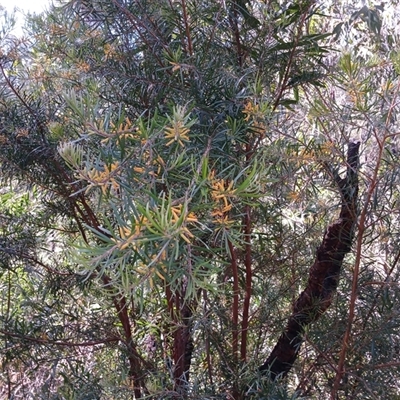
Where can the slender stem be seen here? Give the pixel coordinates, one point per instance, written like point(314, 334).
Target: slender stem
point(354, 290)
point(235, 306)
point(248, 265)
point(249, 273)
point(361, 229)
point(235, 312)
point(23, 102)
point(90, 218)
point(137, 24)
point(64, 343)
point(120, 303)
point(284, 83)
point(187, 28)
point(35, 260)
point(207, 344)
point(234, 25)
point(379, 292)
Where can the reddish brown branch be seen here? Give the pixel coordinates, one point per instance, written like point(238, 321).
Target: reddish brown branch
point(207, 343)
point(249, 276)
point(133, 355)
point(235, 312)
point(235, 305)
point(324, 274)
point(187, 28)
point(233, 19)
point(121, 306)
point(183, 349)
point(88, 217)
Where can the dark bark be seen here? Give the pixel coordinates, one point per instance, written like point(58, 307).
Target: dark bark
point(183, 349)
point(181, 313)
point(324, 274)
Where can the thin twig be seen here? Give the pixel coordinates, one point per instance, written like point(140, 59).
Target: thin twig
point(187, 28)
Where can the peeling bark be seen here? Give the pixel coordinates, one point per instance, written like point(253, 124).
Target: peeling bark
point(324, 274)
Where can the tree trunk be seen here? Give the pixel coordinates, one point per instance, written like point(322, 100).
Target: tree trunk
point(324, 274)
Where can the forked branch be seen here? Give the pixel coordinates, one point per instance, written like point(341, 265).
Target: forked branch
point(323, 277)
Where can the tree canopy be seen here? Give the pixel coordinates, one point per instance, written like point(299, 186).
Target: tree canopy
point(199, 200)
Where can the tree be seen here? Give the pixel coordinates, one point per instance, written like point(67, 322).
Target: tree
point(177, 164)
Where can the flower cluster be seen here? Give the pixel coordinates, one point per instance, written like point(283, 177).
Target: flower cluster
point(103, 178)
point(179, 126)
point(124, 130)
point(129, 235)
point(222, 192)
point(255, 115)
point(177, 216)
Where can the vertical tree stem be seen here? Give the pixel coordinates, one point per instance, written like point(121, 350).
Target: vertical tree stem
point(235, 311)
point(249, 273)
point(235, 305)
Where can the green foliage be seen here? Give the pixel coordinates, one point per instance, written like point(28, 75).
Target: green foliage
point(168, 170)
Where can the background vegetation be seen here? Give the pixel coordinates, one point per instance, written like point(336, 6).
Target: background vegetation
point(169, 170)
